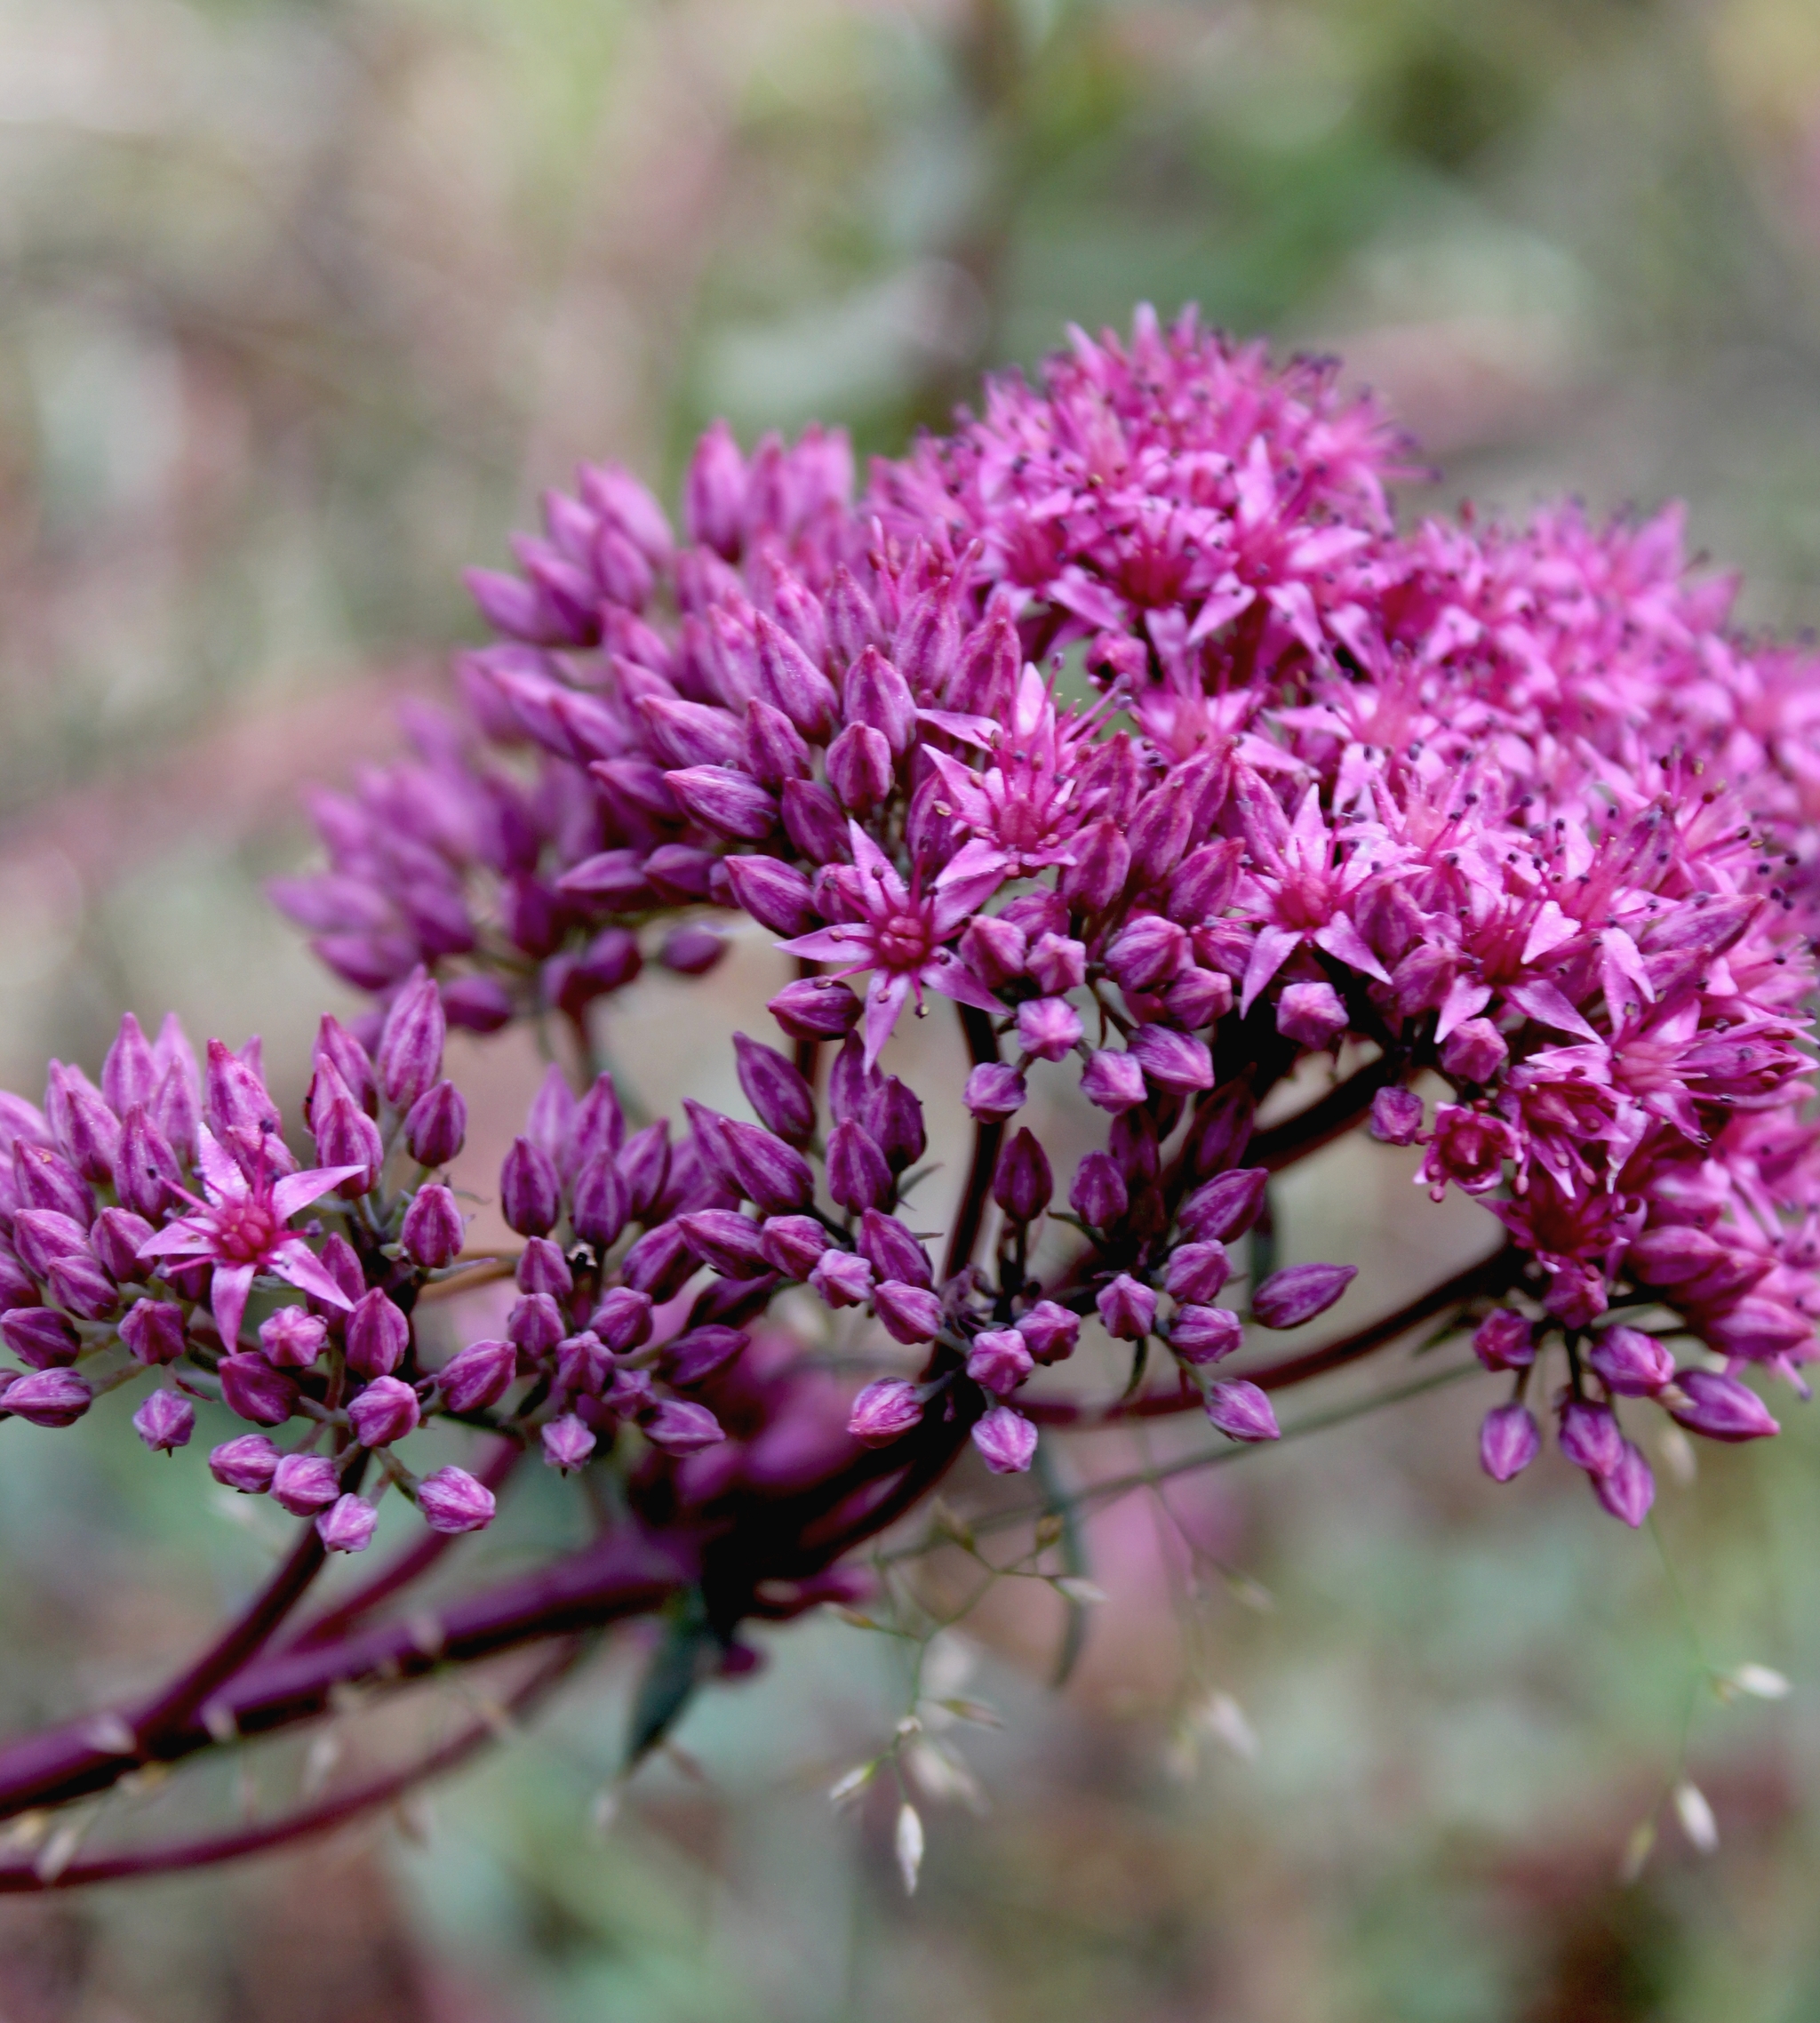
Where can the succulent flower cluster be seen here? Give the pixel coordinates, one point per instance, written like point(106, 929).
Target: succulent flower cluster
point(1512, 808)
point(1125, 720)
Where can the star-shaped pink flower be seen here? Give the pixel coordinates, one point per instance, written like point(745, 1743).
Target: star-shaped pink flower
point(242, 1229)
point(899, 939)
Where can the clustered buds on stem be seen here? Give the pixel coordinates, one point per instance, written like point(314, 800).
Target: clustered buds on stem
point(1535, 899)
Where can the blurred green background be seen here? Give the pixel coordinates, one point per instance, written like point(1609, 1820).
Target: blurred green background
point(300, 302)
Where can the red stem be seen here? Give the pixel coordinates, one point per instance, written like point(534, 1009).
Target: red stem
point(21, 1877)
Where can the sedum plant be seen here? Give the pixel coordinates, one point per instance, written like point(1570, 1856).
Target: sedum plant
point(1124, 727)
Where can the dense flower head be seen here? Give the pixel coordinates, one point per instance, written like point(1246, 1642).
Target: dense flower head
point(1510, 806)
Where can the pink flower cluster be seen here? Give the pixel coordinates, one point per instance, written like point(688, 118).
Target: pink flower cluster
point(1126, 719)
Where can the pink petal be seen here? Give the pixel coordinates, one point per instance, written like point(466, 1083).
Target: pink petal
point(298, 1190)
point(887, 997)
point(186, 1238)
point(1341, 939)
point(951, 976)
point(1465, 1001)
point(1546, 1004)
point(878, 876)
point(297, 1265)
point(1272, 949)
point(846, 944)
point(228, 1293)
point(222, 1176)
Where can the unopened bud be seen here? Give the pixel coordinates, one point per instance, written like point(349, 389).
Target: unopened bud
point(1099, 1194)
point(1590, 1437)
point(165, 1421)
point(567, 1443)
point(348, 1525)
point(528, 1193)
point(909, 1313)
point(1241, 1411)
point(994, 1090)
point(1048, 1028)
point(1198, 1273)
point(776, 895)
point(1396, 1116)
point(1051, 1332)
point(1311, 1014)
point(246, 1464)
point(1718, 1406)
point(305, 1483)
point(1023, 1184)
point(432, 1229)
point(436, 1127)
point(1175, 1061)
point(1505, 1340)
point(153, 1330)
point(378, 1335)
point(775, 1090)
point(1205, 1334)
point(818, 1008)
point(385, 1411)
point(1474, 1050)
point(409, 1055)
point(1289, 1297)
point(858, 1177)
point(1630, 1363)
point(1114, 1082)
point(1006, 1441)
point(999, 1359)
point(884, 1411)
point(1127, 1308)
point(452, 1501)
point(293, 1338)
point(1508, 1441)
point(1146, 953)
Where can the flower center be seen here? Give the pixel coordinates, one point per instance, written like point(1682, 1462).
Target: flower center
point(244, 1231)
point(903, 941)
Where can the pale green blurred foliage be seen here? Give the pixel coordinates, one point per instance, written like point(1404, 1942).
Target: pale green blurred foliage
point(300, 301)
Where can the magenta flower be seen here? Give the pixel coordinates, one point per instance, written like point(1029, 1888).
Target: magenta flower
point(900, 937)
point(242, 1229)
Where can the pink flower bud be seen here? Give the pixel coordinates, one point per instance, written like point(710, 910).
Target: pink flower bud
point(995, 949)
point(1396, 1116)
point(1099, 1194)
point(858, 1178)
point(452, 1501)
point(1023, 1184)
point(1127, 1308)
point(432, 1229)
point(41, 1338)
point(1508, 1441)
point(1058, 963)
point(775, 1090)
point(725, 1241)
point(1146, 953)
point(165, 1421)
point(793, 1244)
point(583, 1364)
point(813, 821)
point(714, 492)
point(147, 1174)
point(891, 1251)
point(46, 1180)
point(293, 1338)
point(729, 803)
point(117, 1236)
point(893, 1116)
point(1102, 864)
point(1719, 1407)
point(543, 1268)
point(153, 1330)
point(251, 1388)
point(840, 1278)
point(1172, 1060)
point(1673, 1255)
point(1758, 1327)
point(1197, 998)
point(80, 1285)
point(477, 1376)
point(643, 1164)
point(623, 1319)
point(776, 895)
point(1630, 1363)
point(1590, 1437)
point(774, 750)
point(305, 1483)
point(1311, 1014)
point(1289, 1297)
point(602, 1203)
point(348, 1525)
point(535, 1324)
point(999, 1359)
point(567, 1443)
point(385, 1411)
point(909, 1313)
point(409, 1055)
point(1114, 1082)
point(1241, 1411)
point(884, 1411)
point(695, 1356)
point(1205, 1334)
point(790, 681)
point(819, 1008)
point(877, 695)
point(1198, 1273)
point(680, 1427)
point(860, 768)
point(1629, 1489)
point(1226, 1206)
point(659, 1263)
point(1475, 1051)
point(378, 1335)
point(1051, 1332)
point(1006, 1441)
point(1048, 1028)
point(1505, 1340)
point(436, 1127)
point(529, 1193)
point(994, 1090)
point(247, 1464)
point(691, 949)
point(129, 1073)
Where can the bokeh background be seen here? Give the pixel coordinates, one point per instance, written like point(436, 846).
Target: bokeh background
point(301, 303)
